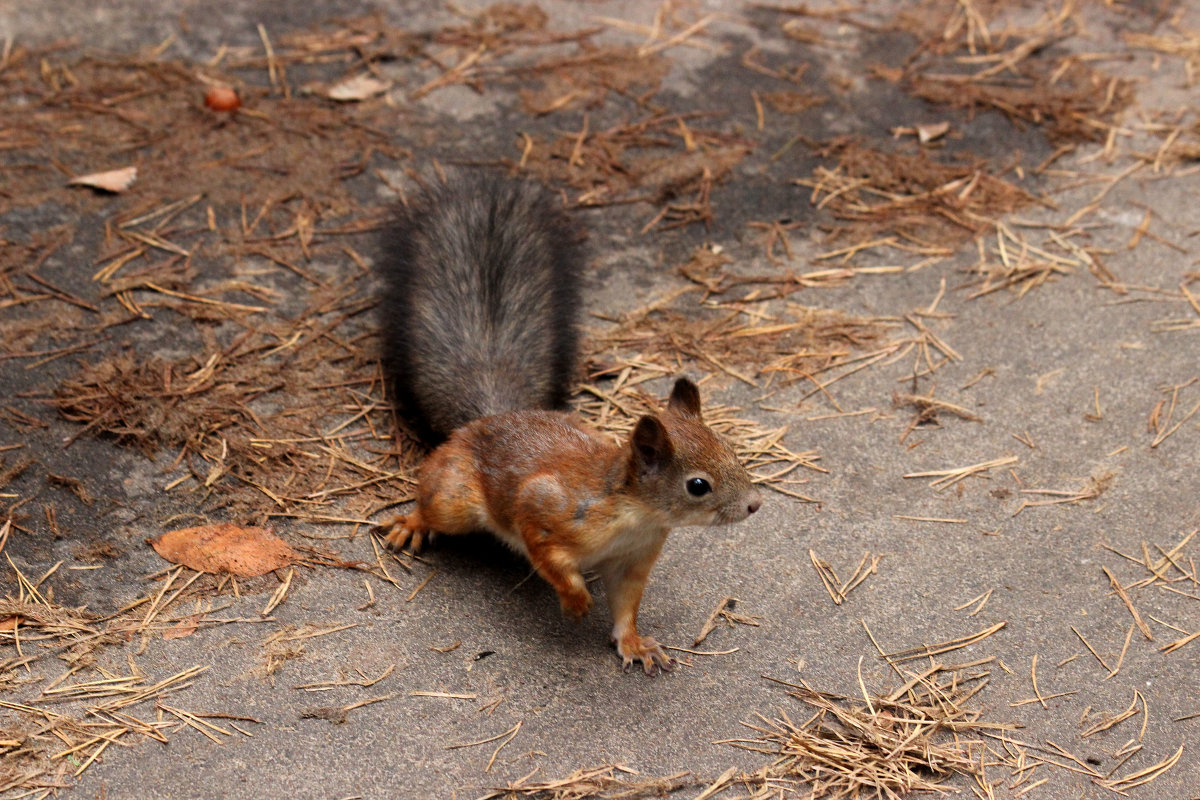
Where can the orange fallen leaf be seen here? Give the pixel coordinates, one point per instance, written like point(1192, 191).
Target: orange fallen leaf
point(114, 180)
point(11, 623)
point(245, 552)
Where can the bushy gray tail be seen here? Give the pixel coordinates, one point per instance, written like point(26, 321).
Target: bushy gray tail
point(480, 304)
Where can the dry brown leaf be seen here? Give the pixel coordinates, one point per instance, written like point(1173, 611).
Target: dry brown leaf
point(359, 87)
point(11, 623)
point(927, 133)
point(184, 628)
point(246, 552)
point(114, 180)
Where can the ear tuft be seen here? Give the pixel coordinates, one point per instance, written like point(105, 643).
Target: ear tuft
point(651, 445)
point(685, 399)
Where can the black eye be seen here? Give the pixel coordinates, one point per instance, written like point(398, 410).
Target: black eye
point(698, 487)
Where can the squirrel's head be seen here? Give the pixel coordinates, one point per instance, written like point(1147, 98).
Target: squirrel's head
point(687, 470)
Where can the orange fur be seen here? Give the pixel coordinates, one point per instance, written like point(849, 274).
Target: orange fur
point(571, 500)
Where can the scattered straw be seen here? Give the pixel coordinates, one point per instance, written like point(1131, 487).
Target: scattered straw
point(837, 588)
point(1121, 593)
point(912, 739)
point(928, 651)
point(1093, 488)
point(945, 478)
point(724, 611)
point(1143, 776)
point(601, 783)
point(1160, 423)
point(909, 202)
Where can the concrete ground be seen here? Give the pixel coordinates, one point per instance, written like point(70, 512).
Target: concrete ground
point(1081, 383)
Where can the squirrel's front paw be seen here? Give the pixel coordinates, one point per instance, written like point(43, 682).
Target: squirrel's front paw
point(402, 530)
point(576, 605)
point(646, 650)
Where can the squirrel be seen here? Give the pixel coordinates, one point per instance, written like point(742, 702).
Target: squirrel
point(481, 296)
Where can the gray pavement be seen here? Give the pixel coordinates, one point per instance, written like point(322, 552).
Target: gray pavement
point(1073, 371)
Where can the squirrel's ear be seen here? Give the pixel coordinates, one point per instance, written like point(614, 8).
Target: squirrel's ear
point(651, 445)
point(685, 399)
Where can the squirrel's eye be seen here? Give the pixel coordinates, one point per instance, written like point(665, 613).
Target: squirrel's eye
point(698, 487)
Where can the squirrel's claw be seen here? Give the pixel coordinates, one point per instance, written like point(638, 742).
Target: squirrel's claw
point(646, 650)
point(403, 532)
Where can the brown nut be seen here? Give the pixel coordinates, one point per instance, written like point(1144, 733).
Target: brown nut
point(222, 98)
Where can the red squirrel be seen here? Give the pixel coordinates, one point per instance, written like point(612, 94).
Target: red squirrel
point(481, 294)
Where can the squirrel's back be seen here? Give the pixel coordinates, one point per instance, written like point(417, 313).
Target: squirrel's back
point(480, 305)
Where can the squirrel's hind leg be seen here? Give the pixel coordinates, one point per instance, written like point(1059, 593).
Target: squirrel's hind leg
point(450, 500)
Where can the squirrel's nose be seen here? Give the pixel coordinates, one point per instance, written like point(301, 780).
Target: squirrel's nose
point(754, 504)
